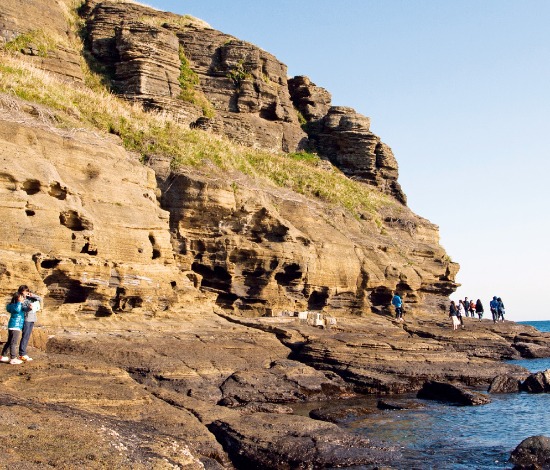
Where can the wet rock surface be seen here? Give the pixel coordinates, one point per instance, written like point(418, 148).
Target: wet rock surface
point(450, 393)
point(531, 454)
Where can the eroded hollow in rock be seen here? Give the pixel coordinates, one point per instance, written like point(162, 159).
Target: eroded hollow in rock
point(291, 273)
point(65, 290)
point(156, 250)
point(31, 186)
point(318, 299)
point(216, 277)
point(57, 191)
point(89, 249)
point(380, 296)
point(74, 221)
point(49, 263)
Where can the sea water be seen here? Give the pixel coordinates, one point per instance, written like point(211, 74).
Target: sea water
point(463, 437)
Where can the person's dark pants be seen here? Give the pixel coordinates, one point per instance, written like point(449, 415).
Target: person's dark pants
point(12, 343)
point(398, 312)
point(27, 330)
point(461, 321)
point(495, 315)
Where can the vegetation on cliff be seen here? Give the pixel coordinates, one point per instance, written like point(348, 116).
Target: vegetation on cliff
point(158, 134)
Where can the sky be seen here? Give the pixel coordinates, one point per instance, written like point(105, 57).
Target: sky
point(460, 90)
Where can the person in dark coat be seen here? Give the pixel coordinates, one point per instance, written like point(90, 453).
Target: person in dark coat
point(479, 309)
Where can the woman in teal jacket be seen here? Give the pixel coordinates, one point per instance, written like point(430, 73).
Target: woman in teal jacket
point(15, 327)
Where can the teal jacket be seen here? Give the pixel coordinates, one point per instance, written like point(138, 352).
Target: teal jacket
point(17, 317)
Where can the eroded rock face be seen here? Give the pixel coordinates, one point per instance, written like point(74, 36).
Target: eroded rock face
point(246, 85)
point(311, 100)
point(85, 231)
point(51, 42)
point(344, 137)
point(263, 251)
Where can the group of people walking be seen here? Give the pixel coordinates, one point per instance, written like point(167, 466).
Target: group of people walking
point(467, 308)
point(22, 308)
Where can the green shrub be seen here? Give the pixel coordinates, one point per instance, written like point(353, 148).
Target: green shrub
point(37, 40)
point(188, 80)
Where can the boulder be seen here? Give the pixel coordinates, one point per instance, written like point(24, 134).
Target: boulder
point(505, 384)
point(450, 393)
point(539, 382)
point(532, 453)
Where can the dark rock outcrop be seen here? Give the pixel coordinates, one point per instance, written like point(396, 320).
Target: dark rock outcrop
point(538, 382)
point(505, 384)
point(344, 137)
point(532, 350)
point(450, 393)
point(311, 100)
point(532, 453)
point(340, 413)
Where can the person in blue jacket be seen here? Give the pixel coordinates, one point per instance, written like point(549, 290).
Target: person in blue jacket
point(31, 305)
point(15, 327)
point(398, 304)
point(493, 305)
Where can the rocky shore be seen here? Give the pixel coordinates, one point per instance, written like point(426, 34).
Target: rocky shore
point(200, 389)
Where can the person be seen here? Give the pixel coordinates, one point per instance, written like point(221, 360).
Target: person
point(500, 309)
point(15, 326)
point(398, 304)
point(479, 309)
point(466, 304)
point(472, 308)
point(460, 313)
point(453, 314)
point(493, 305)
point(31, 305)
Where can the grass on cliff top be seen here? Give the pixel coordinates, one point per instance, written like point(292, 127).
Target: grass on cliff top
point(157, 134)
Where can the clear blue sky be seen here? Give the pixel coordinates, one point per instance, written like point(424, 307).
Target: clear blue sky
point(461, 92)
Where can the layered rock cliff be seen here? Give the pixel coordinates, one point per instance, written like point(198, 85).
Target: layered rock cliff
point(260, 249)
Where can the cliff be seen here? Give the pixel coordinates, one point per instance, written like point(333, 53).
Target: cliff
point(260, 246)
point(171, 193)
